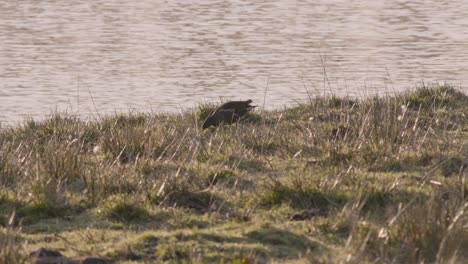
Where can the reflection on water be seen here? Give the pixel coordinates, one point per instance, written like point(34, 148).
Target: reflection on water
point(111, 56)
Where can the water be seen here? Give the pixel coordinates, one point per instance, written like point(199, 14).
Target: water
point(99, 57)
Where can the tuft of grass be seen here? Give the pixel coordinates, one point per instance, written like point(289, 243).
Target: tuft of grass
point(42, 210)
point(11, 246)
point(281, 242)
point(303, 197)
point(453, 165)
point(121, 209)
point(436, 96)
point(421, 237)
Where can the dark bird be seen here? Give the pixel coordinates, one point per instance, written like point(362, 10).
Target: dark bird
point(228, 113)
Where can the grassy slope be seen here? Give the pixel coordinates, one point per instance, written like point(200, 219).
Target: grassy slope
point(384, 179)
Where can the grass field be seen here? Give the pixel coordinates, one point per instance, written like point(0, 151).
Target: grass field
point(333, 180)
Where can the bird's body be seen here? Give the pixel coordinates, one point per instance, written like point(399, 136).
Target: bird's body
point(228, 112)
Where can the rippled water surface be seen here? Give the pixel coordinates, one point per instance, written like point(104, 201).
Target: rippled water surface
point(98, 57)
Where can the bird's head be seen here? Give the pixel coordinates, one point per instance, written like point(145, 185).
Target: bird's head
point(210, 121)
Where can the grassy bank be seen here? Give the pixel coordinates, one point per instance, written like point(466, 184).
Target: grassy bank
point(332, 180)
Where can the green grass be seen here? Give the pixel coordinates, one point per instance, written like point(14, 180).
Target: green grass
point(387, 175)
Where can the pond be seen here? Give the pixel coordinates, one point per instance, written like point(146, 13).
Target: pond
point(98, 57)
